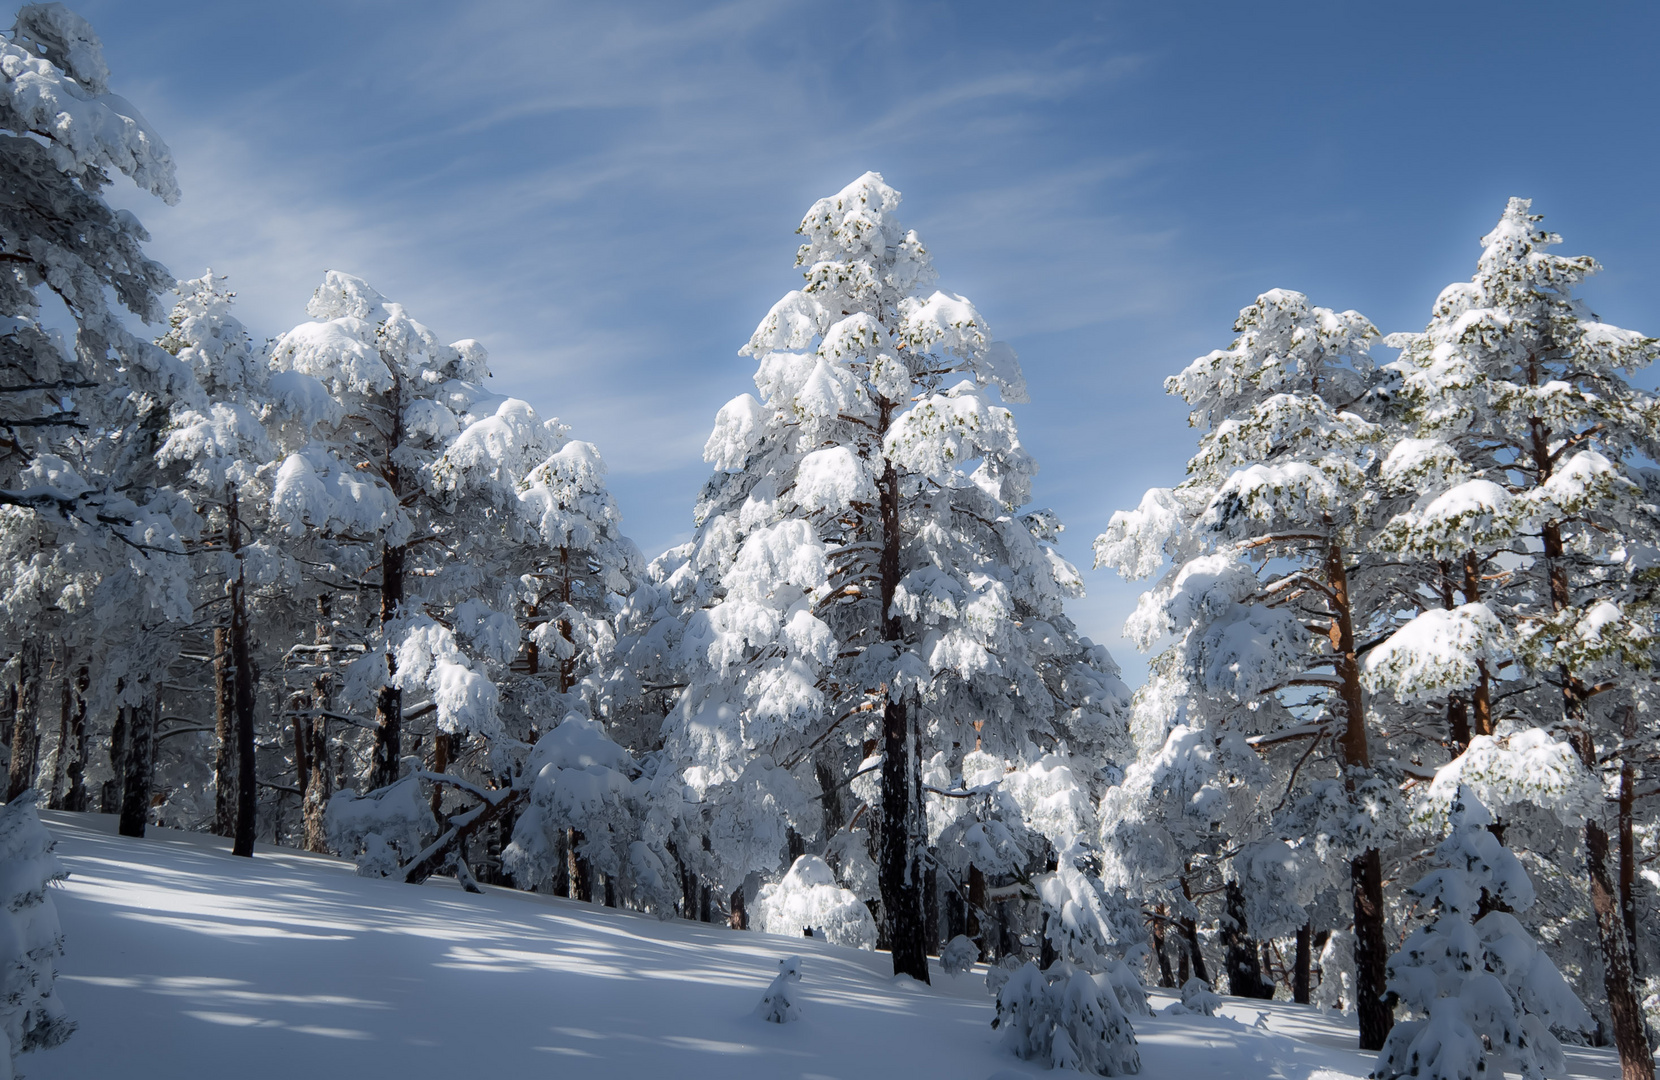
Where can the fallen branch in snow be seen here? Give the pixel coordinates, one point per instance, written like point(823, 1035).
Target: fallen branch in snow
point(462, 826)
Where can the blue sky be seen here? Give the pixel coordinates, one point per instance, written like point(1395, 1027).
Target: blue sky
point(605, 194)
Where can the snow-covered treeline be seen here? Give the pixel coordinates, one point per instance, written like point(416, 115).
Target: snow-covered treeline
point(1395, 755)
point(1391, 596)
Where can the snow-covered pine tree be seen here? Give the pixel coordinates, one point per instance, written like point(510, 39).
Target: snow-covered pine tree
point(1529, 449)
point(1471, 976)
point(860, 572)
point(1263, 538)
point(83, 527)
point(366, 484)
point(213, 453)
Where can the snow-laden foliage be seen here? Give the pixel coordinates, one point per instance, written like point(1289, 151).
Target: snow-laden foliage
point(808, 900)
point(31, 1015)
point(1067, 1019)
point(382, 829)
point(1473, 977)
point(861, 549)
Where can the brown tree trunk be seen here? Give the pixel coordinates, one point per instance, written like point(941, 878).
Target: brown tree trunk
point(224, 732)
point(898, 873)
point(1618, 978)
point(138, 764)
point(1366, 870)
point(25, 745)
point(1300, 988)
point(1190, 936)
point(1244, 967)
point(739, 919)
point(1625, 828)
point(1481, 702)
point(1618, 972)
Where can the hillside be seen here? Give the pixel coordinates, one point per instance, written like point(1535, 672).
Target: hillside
point(194, 963)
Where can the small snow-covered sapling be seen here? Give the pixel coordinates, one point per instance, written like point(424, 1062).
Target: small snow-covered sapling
point(778, 1005)
point(959, 955)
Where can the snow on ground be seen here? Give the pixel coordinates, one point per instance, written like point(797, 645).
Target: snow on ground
point(185, 961)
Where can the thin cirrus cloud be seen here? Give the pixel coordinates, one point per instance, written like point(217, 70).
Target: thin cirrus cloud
point(605, 194)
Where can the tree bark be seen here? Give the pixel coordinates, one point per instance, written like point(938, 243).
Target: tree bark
point(582, 877)
point(60, 759)
point(321, 780)
point(1190, 934)
point(1244, 965)
point(388, 747)
point(1366, 870)
point(1302, 977)
point(1619, 978)
point(243, 676)
point(138, 765)
point(898, 874)
point(76, 798)
point(1618, 971)
point(25, 745)
point(739, 919)
point(1625, 828)
point(224, 732)
point(1166, 978)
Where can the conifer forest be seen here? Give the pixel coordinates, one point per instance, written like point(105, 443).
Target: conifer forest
point(1391, 773)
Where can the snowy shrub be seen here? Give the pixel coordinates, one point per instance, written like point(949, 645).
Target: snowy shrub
point(1197, 998)
point(959, 955)
point(1476, 983)
point(31, 1018)
point(579, 779)
point(997, 975)
point(382, 829)
point(808, 898)
point(1068, 1018)
point(778, 1004)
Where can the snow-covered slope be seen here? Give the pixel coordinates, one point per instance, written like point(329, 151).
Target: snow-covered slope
point(185, 961)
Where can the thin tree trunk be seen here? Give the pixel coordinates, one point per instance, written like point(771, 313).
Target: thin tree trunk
point(26, 726)
point(1190, 933)
point(224, 732)
point(77, 799)
point(1302, 977)
point(976, 904)
point(388, 747)
point(60, 760)
point(1625, 828)
point(1244, 966)
point(582, 877)
point(1481, 702)
point(1166, 978)
point(109, 795)
point(899, 876)
point(139, 764)
point(321, 785)
point(244, 678)
point(1366, 870)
